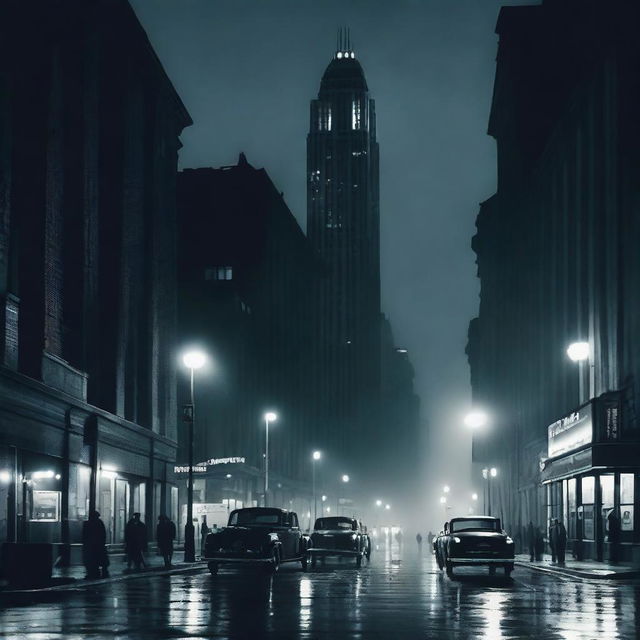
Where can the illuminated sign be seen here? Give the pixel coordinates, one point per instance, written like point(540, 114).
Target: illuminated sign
point(571, 432)
point(45, 506)
point(202, 467)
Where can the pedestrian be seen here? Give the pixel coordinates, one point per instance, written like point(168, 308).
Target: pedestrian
point(204, 531)
point(430, 539)
point(165, 535)
point(561, 541)
point(615, 531)
point(94, 550)
point(552, 539)
point(531, 540)
point(419, 541)
point(539, 544)
point(135, 539)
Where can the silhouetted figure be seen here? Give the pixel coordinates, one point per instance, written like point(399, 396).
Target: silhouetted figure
point(531, 540)
point(615, 531)
point(552, 539)
point(135, 539)
point(539, 544)
point(165, 535)
point(204, 531)
point(399, 537)
point(430, 539)
point(419, 541)
point(561, 540)
point(94, 550)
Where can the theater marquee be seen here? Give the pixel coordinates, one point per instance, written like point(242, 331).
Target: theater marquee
point(571, 432)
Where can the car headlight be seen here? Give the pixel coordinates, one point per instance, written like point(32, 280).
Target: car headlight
point(456, 539)
point(354, 536)
point(509, 540)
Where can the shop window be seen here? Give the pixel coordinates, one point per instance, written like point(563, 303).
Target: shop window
point(571, 508)
point(607, 484)
point(588, 496)
point(626, 501)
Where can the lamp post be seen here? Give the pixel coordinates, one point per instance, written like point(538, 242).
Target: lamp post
point(314, 458)
point(487, 474)
point(475, 419)
point(345, 480)
point(580, 352)
point(192, 360)
point(269, 417)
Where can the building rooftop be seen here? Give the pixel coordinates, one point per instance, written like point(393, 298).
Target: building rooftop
point(344, 73)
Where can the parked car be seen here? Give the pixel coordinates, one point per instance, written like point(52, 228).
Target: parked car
point(339, 536)
point(258, 535)
point(474, 541)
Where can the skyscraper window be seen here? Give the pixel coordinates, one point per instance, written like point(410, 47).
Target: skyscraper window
point(356, 122)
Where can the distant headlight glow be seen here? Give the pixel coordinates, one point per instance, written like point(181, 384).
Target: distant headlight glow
point(456, 539)
point(509, 540)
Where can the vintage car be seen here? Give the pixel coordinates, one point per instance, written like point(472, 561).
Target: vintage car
point(258, 535)
point(474, 541)
point(339, 536)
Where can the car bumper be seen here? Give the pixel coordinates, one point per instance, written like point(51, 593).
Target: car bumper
point(333, 552)
point(225, 560)
point(472, 561)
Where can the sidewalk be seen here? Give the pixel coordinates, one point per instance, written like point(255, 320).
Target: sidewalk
point(586, 569)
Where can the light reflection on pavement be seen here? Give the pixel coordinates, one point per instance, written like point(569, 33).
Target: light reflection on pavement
point(400, 594)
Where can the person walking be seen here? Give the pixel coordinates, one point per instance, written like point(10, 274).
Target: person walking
point(553, 539)
point(615, 531)
point(94, 550)
point(135, 539)
point(430, 540)
point(419, 541)
point(531, 540)
point(165, 535)
point(561, 541)
point(204, 532)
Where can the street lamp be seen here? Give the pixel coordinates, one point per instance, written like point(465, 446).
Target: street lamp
point(487, 474)
point(580, 352)
point(378, 503)
point(443, 500)
point(446, 488)
point(475, 419)
point(387, 507)
point(314, 458)
point(269, 417)
point(345, 479)
point(474, 497)
point(192, 360)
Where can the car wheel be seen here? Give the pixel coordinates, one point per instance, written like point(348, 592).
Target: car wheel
point(449, 568)
point(213, 568)
point(359, 560)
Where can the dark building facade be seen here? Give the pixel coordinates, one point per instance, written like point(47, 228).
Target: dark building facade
point(89, 126)
point(247, 277)
point(343, 224)
point(558, 262)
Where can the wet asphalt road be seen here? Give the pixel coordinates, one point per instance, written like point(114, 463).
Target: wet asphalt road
point(398, 595)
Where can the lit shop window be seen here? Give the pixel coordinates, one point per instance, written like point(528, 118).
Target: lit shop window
point(356, 115)
point(218, 273)
point(626, 501)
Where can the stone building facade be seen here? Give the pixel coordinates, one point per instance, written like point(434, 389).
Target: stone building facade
point(89, 126)
point(558, 262)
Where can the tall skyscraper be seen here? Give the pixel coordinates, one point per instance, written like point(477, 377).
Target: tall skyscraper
point(343, 223)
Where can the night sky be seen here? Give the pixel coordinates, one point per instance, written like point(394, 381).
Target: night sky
point(246, 71)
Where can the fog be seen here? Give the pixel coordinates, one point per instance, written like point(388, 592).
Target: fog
point(247, 69)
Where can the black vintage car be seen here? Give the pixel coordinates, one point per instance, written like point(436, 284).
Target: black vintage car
point(474, 541)
point(258, 535)
point(339, 536)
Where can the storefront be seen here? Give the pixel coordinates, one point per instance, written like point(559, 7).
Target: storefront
point(592, 471)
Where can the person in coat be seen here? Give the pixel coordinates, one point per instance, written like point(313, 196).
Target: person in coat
point(552, 539)
point(419, 541)
point(561, 541)
point(135, 539)
point(204, 532)
point(94, 550)
point(614, 535)
point(165, 535)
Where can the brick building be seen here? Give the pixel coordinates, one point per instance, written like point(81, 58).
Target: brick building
point(89, 126)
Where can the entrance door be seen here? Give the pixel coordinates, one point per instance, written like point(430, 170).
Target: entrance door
point(121, 509)
point(607, 502)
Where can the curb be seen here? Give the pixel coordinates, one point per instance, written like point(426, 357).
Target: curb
point(575, 573)
point(77, 584)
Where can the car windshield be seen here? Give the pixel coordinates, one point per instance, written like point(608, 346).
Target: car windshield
point(474, 524)
point(335, 524)
point(255, 518)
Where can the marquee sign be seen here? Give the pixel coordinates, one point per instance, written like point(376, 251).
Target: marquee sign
point(203, 467)
point(571, 432)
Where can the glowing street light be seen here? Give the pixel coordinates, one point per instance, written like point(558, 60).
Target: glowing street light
point(269, 417)
point(324, 498)
point(494, 472)
point(446, 488)
point(578, 351)
point(475, 419)
point(345, 478)
point(387, 507)
point(474, 497)
point(314, 458)
point(443, 500)
point(192, 360)
point(378, 503)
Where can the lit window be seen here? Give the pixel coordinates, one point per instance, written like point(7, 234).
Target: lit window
point(356, 119)
point(218, 273)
